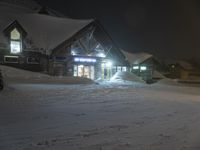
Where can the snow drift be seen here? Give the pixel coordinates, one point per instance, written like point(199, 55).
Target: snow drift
point(126, 76)
point(158, 75)
point(167, 81)
point(14, 75)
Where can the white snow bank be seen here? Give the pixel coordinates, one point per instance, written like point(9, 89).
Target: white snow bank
point(126, 76)
point(167, 81)
point(158, 75)
point(11, 72)
point(14, 75)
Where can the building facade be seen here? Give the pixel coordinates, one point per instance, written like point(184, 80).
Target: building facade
point(91, 53)
point(144, 65)
point(38, 41)
point(182, 70)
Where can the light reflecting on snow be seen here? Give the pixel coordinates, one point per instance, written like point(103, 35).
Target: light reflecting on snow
point(109, 115)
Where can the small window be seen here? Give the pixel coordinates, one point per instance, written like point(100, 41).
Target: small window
point(11, 59)
point(135, 67)
point(75, 70)
point(15, 35)
point(143, 68)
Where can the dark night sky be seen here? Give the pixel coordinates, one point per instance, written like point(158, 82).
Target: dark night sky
point(167, 28)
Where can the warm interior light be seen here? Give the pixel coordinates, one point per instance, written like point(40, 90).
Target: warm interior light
point(135, 67)
point(143, 68)
point(173, 66)
point(15, 47)
point(109, 64)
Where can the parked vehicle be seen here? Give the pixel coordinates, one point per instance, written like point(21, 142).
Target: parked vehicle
point(1, 81)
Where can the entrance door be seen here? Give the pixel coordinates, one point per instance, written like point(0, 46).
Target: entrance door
point(85, 71)
point(106, 70)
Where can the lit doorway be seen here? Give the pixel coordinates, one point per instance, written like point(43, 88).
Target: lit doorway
point(106, 70)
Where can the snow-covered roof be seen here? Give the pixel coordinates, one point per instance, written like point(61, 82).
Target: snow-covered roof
point(184, 64)
point(136, 58)
point(157, 75)
point(46, 32)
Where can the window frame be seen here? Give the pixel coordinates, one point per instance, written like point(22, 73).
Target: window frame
point(16, 40)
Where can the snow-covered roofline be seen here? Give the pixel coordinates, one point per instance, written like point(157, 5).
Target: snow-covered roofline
point(136, 58)
point(184, 64)
point(46, 32)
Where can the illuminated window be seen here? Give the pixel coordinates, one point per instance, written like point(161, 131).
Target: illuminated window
point(135, 67)
point(11, 59)
point(143, 68)
point(124, 69)
point(15, 35)
point(15, 47)
point(75, 70)
point(15, 41)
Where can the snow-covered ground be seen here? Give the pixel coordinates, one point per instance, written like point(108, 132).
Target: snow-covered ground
point(105, 116)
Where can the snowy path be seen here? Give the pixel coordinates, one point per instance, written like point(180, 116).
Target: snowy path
point(99, 117)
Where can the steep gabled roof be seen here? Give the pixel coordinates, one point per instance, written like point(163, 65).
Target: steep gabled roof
point(136, 58)
point(13, 25)
point(50, 12)
point(183, 64)
point(46, 32)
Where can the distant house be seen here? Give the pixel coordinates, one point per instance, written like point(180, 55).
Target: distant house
point(144, 65)
point(39, 39)
point(181, 70)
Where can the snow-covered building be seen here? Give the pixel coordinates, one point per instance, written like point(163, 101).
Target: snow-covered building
point(179, 69)
point(143, 64)
point(37, 38)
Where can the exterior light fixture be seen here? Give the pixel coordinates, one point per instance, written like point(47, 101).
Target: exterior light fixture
point(109, 64)
point(173, 66)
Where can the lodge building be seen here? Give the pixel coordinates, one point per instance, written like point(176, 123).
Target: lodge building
point(39, 39)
